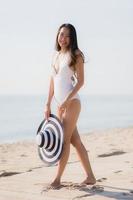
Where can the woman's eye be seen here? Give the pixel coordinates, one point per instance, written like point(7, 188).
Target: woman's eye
point(62, 35)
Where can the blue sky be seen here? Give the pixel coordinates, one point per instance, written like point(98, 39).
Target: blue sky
point(27, 37)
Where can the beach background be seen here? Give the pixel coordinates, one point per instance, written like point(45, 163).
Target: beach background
point(21, 115)
point(27, 37)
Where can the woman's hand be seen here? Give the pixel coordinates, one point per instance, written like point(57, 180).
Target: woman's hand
point(47, 111)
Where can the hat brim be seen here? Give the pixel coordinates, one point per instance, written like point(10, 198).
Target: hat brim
point(51, 155)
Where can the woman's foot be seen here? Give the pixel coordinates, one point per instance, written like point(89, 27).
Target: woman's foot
point(89, 181)
point(55, 184)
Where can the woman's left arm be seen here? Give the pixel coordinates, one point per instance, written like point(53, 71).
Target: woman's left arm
point(80, 77)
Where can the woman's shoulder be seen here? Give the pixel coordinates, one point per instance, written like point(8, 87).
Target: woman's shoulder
point(55, 53)
point(79, 54)
point(54, 56)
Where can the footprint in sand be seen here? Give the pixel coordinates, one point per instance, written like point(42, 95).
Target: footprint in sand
point(118, 171)
point(101, 179)
point(91, 190)
point(4, 173)
point(3, 161)
point(47, 187)
point(82, 196)
point(97, 188)
point(115, 153)
point(23, 155)
point(74, 186)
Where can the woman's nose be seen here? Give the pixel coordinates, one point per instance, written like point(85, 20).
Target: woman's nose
point(63, 39)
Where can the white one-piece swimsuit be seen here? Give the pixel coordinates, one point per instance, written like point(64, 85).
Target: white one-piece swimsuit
point(63, 79)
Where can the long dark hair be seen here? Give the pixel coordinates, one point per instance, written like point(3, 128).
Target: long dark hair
point(73, 46)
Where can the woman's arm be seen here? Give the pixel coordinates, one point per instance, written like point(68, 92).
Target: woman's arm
point(51, 85)
point(47, 109)
point(51, 92)
point(80, 77)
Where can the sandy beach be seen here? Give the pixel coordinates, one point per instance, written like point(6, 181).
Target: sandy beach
point(23, 175)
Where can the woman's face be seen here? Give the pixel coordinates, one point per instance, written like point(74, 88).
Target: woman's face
point(64, 37)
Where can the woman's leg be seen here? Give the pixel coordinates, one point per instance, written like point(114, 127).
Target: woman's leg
point(82, 153)
point(70, 118)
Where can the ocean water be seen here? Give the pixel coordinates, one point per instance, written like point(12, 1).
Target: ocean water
point(20, 116)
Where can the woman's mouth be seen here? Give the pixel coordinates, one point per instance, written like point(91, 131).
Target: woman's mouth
point(63, 43)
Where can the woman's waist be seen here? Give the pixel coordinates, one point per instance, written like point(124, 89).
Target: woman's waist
point(63, 92)
point(63, 88)
point(63, 81)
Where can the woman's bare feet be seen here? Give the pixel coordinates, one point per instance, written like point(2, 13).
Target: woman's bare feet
point(89, 181)
point(55, 184)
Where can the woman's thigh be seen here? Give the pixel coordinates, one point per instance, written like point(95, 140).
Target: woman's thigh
point(70, 117)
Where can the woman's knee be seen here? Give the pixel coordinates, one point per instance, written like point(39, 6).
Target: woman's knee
point(66, 145)
point(76, 142)
point(67, 140)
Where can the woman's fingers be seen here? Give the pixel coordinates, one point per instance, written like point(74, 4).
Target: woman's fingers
point(47, 115)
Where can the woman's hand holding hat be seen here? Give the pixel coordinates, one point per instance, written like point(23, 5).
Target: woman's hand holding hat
point(47, 111)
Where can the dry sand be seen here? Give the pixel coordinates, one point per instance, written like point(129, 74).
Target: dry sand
point(23, 175)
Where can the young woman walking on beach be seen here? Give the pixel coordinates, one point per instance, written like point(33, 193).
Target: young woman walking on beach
point(68, 62)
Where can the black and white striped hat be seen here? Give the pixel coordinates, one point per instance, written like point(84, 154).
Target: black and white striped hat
point(50, 140)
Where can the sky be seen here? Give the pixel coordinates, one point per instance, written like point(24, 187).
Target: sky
point(28, 30)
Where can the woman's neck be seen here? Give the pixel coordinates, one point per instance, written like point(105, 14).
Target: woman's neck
point(63, 50)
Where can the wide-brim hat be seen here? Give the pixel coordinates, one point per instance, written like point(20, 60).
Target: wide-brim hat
point(50, 139)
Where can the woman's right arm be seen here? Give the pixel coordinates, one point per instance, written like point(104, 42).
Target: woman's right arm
point(49, 98)
point(51, 87)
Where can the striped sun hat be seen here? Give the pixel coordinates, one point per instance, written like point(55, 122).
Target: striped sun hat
point(50, 140)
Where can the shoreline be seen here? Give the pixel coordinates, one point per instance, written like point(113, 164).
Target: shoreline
point(98, 130)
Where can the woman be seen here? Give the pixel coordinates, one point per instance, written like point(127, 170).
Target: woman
point(68, 64)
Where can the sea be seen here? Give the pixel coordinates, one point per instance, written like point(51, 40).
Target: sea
point(21, 115)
